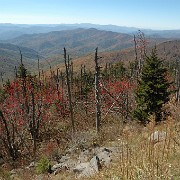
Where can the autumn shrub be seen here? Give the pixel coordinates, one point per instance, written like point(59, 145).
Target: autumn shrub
point(26, 108)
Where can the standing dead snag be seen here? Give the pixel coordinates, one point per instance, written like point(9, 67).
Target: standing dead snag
point(140, 44)
point(97, 92)
point(177, 80)
point(69, 89)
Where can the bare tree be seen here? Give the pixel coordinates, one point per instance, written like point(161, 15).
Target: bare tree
point(69, 89)
point(97, 92)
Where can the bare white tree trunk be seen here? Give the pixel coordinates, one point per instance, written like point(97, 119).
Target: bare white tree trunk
point(69, 90)
point(97, 92)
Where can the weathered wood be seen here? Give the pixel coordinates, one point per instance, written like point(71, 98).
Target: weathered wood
point(69, 89)
point(97, 92)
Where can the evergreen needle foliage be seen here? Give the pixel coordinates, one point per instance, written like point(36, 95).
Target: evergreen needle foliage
point(152, 91)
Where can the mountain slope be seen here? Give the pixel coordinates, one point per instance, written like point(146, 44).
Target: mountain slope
point(78, 42)
point(169, 51)
point(10, 57)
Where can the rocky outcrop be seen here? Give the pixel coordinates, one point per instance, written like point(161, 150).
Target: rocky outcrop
point(88, 163)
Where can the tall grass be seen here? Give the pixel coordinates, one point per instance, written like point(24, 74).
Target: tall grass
point(141, 158)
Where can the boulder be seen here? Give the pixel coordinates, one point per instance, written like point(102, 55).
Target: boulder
point(81, 167)
point(105, 157)
point(88, 169)
point(69, 164)
point(84, 156)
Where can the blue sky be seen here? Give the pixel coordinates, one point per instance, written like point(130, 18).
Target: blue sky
point(154, 14)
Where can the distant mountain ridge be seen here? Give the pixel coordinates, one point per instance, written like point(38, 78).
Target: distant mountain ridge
point(9, 31)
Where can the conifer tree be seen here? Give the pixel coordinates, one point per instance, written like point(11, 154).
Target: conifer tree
point(152, 91)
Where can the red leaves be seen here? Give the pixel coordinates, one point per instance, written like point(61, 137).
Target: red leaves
point(115, 94)
point(17, 106)
point(117, 87)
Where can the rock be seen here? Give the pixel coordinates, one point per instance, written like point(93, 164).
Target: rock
point(105, 157)
point(66, 165)
point(56, 166)
point(95, 163)
point(157, 136)
point(115, 151)
point(64, 159)
point(84, 156)
point(88, 169)
point(81, 167)
point(88, 163)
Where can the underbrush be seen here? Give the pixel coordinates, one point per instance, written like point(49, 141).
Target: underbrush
point(140, 157)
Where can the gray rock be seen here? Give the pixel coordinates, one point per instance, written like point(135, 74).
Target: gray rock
point(56, 166)
point(81, 167)
point(84, 156)
point(66, 165)
point(157, 136)
point(64, 159)
point(88, 169)
point(95, 163)
point(105, 157)
point(57, 171)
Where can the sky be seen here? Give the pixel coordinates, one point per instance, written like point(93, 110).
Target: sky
point(151, 14)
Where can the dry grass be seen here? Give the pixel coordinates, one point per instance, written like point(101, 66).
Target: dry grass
point(139, 157)
point(142, 159)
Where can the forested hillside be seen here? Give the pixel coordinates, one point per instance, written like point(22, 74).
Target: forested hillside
point(10, 58)
point(78, 41)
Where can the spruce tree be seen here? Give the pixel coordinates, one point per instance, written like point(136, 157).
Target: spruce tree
point(152, 91)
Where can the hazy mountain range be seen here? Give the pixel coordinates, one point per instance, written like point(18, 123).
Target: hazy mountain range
point(78, 41)
point(48, 42)
point(9, 31)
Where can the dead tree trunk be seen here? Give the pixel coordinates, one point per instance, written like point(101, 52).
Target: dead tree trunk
point(136, 56)
point(69, 90)
point(34, 130)
point(177, 81)
point(39, 73)
point(97, 92)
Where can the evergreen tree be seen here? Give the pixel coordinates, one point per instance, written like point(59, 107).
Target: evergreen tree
point(152, 91)
point(22, 71)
